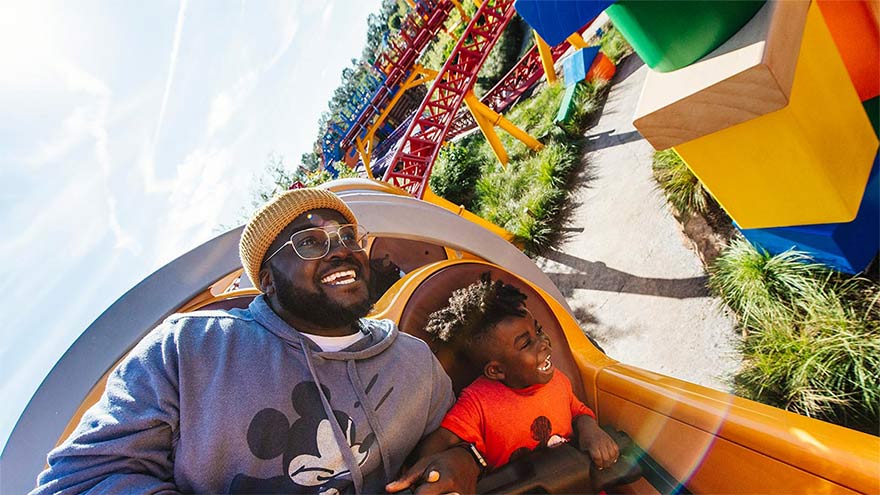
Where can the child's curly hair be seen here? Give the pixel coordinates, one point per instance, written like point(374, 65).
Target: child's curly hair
point(474, 310)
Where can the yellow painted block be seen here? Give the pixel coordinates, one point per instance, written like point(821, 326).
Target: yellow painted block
point(806, 163)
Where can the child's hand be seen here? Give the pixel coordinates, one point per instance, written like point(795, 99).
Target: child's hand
point(592, 440)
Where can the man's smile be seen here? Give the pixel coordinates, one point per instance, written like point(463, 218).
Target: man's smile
point(340, 277)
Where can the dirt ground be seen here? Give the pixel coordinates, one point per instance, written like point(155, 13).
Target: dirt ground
point(632, 277)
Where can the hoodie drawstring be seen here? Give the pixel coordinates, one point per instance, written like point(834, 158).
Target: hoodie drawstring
point(371, 417)
point(357, 476)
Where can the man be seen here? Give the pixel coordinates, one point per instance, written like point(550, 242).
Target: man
point(298, 393)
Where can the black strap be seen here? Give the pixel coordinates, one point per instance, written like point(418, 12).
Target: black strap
point(475, 453)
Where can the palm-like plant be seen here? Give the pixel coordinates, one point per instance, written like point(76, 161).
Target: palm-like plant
point(812, 336)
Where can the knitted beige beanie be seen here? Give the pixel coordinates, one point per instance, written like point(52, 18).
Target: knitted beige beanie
point(274, 216)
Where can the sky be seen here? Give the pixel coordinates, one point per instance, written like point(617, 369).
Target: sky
point(132, 132)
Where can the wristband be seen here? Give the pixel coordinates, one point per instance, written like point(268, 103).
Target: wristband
point(478, 457)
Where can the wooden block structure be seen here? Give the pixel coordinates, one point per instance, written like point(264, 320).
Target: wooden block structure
point(670, 35)
point(847, 247)
point(769, 122)
point(576, 65)
point(854, 27)
point(556, 20)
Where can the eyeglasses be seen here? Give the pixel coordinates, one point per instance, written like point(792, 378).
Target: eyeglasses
point(314, 243)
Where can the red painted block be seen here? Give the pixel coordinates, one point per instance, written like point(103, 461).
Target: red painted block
point(602, 68)
point(854, 28)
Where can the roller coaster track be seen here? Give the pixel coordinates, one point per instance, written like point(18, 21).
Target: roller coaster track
point(419, 27)
point(411, 165)
point(522, 76)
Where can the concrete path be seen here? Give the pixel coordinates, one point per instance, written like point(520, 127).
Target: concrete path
point(626, 269)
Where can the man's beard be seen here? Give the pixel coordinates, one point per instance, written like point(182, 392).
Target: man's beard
point(317, 307)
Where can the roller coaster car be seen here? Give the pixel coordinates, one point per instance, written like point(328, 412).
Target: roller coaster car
point(684, 437)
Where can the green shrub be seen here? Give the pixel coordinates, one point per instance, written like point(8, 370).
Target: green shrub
point(503, 56)
point(536, 114)
point(318, 177)
point(587, 101)
point(455, 173)
point(526, 196)
point(683, 189)
point(754, 284)
point(613, 44)
point(811, 336)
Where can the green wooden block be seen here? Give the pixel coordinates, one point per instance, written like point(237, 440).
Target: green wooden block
point(673, 34)
point(567, 105)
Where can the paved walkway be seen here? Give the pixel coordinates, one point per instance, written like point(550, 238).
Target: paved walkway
point(626, 269)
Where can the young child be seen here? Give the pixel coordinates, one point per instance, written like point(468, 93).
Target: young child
point(521, 402)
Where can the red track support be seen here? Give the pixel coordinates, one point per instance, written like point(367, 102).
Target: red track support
point(418, 28)
point(411, 165)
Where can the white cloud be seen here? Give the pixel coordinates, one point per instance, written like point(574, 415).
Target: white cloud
point(146, 163)
point(28, 43)
point(80, 81)
point(147, 160)
point(226, 103)
point(73, 131)
point(327, 15)
point(87, 119)
point(75, 225)
point(172, 67)
point(289, 28)
point(207, 182)
point(124, 240)
point(87, 122)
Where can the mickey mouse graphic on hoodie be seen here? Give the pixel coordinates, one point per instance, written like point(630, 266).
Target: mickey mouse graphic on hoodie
point(311, 459)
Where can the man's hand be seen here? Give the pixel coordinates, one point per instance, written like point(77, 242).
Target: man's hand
point(451, 471)
point(595, 442)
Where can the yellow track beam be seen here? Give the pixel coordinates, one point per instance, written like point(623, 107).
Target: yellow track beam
point(546, 58)
point(464, 20)
point(577, 41)
point(419, 75)
point(487, 119)
point(464, 16)
point(489, 133)
point(411, 3)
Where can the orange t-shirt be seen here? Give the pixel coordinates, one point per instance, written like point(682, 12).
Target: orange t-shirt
point(504, 422)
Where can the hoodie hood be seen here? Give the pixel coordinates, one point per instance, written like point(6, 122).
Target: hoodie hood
point(380, 334)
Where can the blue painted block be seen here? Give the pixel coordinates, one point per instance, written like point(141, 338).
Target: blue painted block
point(556, 20)
point(846, 247)
point(575, 67)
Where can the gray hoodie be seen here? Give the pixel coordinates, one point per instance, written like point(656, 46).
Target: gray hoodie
point(239, 402)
